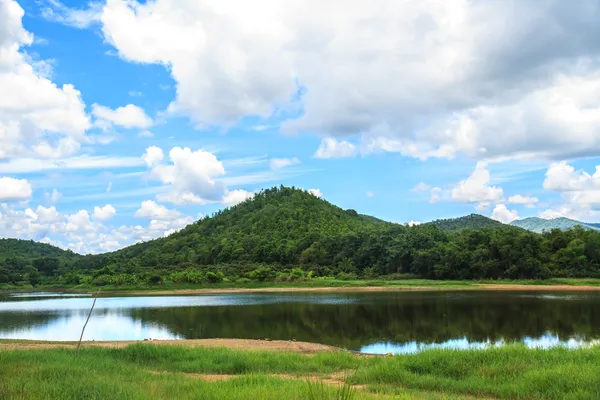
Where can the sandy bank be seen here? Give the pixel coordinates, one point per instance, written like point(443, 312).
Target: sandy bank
point(240, 344)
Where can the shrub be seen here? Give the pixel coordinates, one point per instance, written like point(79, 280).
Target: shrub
point(213, 277)
point(155, 279)
point(262, 274)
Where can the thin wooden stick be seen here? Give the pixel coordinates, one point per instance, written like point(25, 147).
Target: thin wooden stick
point(87, 320)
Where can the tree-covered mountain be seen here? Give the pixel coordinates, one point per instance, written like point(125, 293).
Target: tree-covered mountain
point(540, 225)
point(19, 257)
point(472, 221)
point(286, 233)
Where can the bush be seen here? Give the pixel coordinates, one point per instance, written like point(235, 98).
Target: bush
point(347, 276)
point(213, 277)
point(296, 274)
point(155, 279)
point(262, 274)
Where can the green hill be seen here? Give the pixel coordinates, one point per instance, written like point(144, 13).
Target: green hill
point(286, 234)
point(540, 225)
point(20, 257)
point(472, 221)
point(280, 225)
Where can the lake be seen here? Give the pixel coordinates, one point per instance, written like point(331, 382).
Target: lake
point(397, 322)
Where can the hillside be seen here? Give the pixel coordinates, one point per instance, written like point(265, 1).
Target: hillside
point(286, 234)
point(540, 225)
point(18, 257)
point(279, 225)
point(472, 221)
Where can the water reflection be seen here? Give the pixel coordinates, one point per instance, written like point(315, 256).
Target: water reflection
point(376, 322)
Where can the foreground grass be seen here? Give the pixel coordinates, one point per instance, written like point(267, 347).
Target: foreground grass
point(313, 283)
point(145, 370)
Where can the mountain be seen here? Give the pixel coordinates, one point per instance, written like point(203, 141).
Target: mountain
point(29, 250)
point(540, 225)
point(472, 221)
point(286, 233)
point(279, 225)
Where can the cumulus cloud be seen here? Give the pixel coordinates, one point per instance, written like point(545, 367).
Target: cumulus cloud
point(503, 214)
point(421, 187)
point(315, 192)
point(53, 196)
point(413, 223)
point(12, 189)
point(36, 115)
point(149, 209)
point(579, 191)
point(104, 213)
point(419, 78)
point(236, 196)
point(332, 148)
point(476, 188)
point(191, 176)
point(129, 116)
point(279, 163)
point(153, 155)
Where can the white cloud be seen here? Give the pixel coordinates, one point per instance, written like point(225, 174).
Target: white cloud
point(149, 209)
point(413, 223)
point(53, 197)
point(54, 10)
point(370, 194)
point(191, 176)
point(421, 187)
point(146, 134)
point(78, 222)
point(153, 155)
point(427, 79)
point(315, 192)
point(109, 187)
point(236, 196)
point(12, 189)
point(519, 199)
point(503, 214)
point(332, 148)
point(579, 190)
point(28, 165)
point(36, 116)
point(435, 194)
point(104, 213)
point(279, 163)
point(129, 116)
point(48, 215)
point(476, 188)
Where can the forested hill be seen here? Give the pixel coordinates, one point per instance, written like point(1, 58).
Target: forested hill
point(279, 225)
point(286, 233)
point(472, 221)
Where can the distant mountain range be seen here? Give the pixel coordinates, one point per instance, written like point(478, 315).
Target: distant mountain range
point(540, 225)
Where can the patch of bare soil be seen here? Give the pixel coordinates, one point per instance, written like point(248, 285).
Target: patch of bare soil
point(241, 344)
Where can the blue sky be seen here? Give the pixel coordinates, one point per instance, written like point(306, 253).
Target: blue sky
point(125, 121)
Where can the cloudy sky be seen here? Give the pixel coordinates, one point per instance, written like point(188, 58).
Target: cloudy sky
point(123, 121)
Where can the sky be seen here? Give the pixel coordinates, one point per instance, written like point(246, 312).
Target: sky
point(123, 121)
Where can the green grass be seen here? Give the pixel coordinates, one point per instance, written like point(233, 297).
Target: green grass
point(150, 371)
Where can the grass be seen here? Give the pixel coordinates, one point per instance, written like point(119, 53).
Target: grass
point(151, 371)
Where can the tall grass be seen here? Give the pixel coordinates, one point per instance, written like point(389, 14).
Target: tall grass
point(151, 371)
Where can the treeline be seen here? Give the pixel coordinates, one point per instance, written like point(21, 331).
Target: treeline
point(289, 234)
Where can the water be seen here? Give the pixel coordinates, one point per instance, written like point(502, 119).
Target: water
point(367, 322)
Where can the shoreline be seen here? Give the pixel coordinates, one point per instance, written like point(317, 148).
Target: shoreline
point(233, 344)
point(318, 289)
point(349, 289)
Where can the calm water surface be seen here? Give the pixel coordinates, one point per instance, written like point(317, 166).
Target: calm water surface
point(368, 322)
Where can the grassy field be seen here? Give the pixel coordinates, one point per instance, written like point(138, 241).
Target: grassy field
point(151, 371)
point(319, 283)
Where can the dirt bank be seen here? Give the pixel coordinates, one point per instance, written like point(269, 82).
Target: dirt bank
point(242, 344)
point(474, 286)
